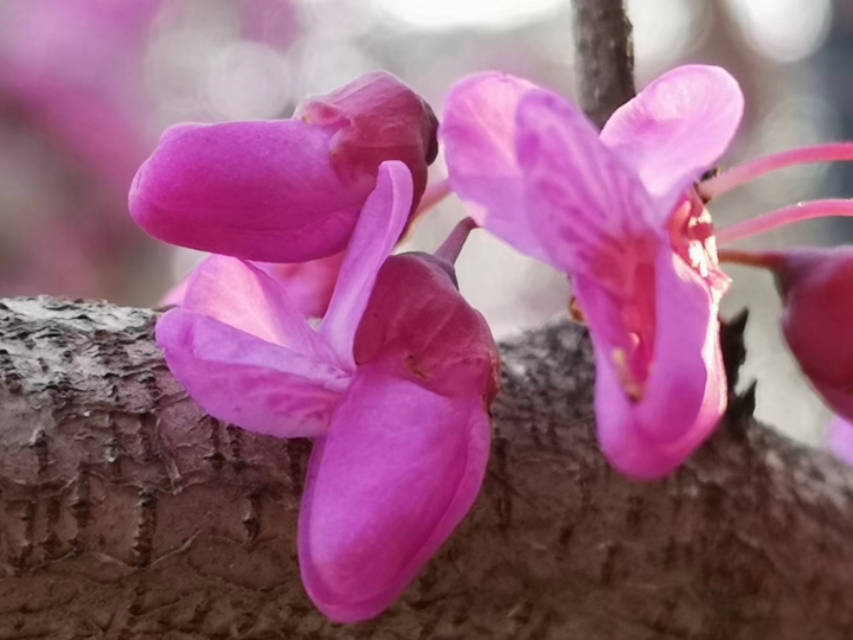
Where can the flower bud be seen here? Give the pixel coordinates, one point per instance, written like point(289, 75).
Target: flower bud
point(285, 190)
point(817, 319)
point(376, 118)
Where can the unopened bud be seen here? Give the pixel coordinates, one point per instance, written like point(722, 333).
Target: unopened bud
point(284, 191)
point(817, 319)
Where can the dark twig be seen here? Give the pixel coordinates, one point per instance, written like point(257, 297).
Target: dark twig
point(604, 57)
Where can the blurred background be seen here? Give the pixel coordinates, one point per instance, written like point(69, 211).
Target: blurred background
point(86, 87)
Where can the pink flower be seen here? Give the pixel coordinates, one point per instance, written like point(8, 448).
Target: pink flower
point(393, 385)
point(619, 214)
point(287, 190)
point(75, 67)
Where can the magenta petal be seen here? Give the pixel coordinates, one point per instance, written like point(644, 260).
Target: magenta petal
point(685, 393)
point(255, 190)
point(419, 322)
point(676, 129)
point(478, 131)
point(397, 472)
point(308, 285)
point(243, 379)
point(585, 206)
point(246, 356)
point(379, 227)
point(243, 296)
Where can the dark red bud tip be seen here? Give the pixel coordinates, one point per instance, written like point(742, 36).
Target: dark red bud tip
point(376, 118)
point(432, 136)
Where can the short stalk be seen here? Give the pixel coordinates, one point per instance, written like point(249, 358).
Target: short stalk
point(450, 248)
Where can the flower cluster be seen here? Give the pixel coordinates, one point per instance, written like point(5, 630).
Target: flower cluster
point(302, 323)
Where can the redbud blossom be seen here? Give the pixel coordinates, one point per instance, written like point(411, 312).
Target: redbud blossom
point(284, 190)
point(617, 213)
point(393, 384)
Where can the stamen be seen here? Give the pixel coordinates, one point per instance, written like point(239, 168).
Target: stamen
point(575, 311)
point(751, 170)
point(450, 248)
point(623, 373)
point(784, 216)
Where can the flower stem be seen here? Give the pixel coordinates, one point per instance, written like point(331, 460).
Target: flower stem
point(782, 217)
point(452, 246)
point(738, 176)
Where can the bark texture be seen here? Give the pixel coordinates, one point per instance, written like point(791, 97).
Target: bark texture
point(604, 57)
point(125, 512)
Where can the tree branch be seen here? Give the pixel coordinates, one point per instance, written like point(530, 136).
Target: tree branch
point(127, 513)
point(604, 57)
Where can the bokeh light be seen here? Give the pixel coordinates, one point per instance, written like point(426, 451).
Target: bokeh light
point(438, 15)
point(783, 30)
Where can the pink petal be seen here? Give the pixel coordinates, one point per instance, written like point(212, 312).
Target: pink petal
point(246, 356)
point(676, 129)
point(385, 120)
point(419, 323)
point(262, 191)
point(585, 206)
point(379, 227)
point(240, 378)
point(397, 472)
point(684, 394)
point(839, 439)
point(243, 296)
point(308, 285)
point(478, 131)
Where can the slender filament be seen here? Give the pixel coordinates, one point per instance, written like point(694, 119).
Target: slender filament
point(738, 176)
point(785, 216)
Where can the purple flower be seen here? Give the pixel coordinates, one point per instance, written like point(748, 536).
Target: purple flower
point(393, 386)
point(619, 214)
point(286, 190)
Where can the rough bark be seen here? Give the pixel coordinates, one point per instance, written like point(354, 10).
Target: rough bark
point(604, 57)
point(127, 513)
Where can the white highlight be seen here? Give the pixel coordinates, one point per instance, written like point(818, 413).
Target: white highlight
point(783, 30)
point(435, 15)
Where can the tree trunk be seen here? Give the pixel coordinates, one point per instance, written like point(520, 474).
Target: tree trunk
point(127, 513)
